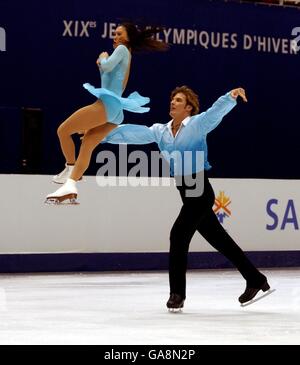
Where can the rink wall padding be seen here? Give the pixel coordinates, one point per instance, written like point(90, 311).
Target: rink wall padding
point(127, 227)
point(22, 263)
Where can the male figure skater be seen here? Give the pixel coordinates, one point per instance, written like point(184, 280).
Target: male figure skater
point(187, 131)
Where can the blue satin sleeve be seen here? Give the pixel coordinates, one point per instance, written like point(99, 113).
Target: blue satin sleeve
point(130, 134)
point(213, 116)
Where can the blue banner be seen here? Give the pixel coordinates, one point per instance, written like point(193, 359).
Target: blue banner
point(49, 49)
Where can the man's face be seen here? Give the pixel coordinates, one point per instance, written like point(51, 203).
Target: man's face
point(178, 107)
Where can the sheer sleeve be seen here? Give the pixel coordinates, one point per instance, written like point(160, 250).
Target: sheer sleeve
point(109, 63)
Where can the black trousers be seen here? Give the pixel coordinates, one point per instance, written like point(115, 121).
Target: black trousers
point(197, 215)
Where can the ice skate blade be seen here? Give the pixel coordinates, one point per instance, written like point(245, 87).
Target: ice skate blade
point(175, 310)
point(53, 201)
point(257, 299)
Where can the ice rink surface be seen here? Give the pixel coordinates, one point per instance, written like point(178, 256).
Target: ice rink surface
point(128, 308)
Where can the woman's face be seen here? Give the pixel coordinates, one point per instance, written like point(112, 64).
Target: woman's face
point(120, 37)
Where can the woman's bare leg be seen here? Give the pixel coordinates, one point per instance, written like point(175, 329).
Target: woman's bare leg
point(86, 118)
point(89, 142)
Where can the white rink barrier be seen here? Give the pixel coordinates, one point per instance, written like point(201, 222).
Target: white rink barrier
point(261, 215)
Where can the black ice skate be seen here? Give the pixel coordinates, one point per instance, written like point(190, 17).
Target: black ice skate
point(247, 297)
point(175, 302)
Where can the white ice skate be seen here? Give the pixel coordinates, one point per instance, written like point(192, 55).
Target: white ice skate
point(62, 177)
point(67, 194)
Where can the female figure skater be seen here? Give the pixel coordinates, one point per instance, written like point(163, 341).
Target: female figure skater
point(101, 117)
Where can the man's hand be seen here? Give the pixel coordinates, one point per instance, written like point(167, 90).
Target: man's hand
point(235, 93)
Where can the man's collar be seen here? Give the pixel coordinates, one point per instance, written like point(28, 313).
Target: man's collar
point(184, 122)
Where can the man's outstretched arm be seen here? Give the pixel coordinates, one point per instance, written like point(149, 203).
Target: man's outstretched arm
point(131, 134)
point(211, 118)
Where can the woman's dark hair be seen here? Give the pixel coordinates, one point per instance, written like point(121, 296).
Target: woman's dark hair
point(141, 38)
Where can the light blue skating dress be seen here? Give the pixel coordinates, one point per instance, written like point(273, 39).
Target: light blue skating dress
point(113, 71)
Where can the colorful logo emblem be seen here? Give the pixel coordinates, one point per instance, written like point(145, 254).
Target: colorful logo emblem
point(221, 206)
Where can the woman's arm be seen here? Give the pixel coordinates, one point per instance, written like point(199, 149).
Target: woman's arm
point(108, 63)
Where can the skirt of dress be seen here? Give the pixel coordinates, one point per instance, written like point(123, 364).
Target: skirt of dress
point(115, 104)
